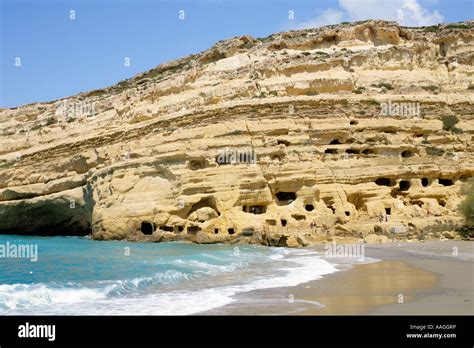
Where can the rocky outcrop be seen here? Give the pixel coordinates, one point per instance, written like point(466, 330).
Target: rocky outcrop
point(288, 140)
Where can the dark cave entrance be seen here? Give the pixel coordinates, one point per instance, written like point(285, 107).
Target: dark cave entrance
point(404, 185)
point(146, 228)
point(445, 182)
point(286, 197)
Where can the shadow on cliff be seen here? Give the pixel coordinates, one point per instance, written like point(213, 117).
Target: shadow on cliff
point(67, 214)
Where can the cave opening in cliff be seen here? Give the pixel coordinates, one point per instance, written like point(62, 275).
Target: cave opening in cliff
point(193, 229)
point(368, 152)
point(216, 231)
point(388, 211)
point(277, 157)
point(271, 222)
point(205, 202)
point(425, 182)
point(417, 202)
point(384, 182)
point(445, 182)
point(298, 217)
point(257, 209)
point(331, 151)
point(354, 122)
point(147, 227)
point(248, 232)
point(284, 222)
point(335, 142)
point(357, 199)
point(404, 185)
point(230, 231)
point(167, 228)
point(285, 197)
point(197, 164)
point(283, 142)
point(352, 151)
point(407, 153)
point(442, 202)
point(180, 229)
point(348, 213)
point(309, 207)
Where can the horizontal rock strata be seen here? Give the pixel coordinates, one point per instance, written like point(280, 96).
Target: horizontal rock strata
point(283, 141)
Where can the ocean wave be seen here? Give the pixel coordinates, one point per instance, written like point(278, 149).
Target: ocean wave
point(278, 268)
point(25, 296)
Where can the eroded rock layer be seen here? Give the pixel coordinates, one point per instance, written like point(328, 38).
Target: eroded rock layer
point(284, 141)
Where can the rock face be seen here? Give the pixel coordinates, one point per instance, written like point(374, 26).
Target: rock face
point(284, 141)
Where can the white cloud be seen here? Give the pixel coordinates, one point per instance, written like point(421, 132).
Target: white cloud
point(327, 17)
point(405, 12)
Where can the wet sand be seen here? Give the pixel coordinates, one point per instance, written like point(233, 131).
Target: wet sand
point(430, 278)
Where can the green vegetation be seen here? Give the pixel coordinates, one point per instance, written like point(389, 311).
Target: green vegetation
point(449, 123)
point(95, 93)
point(51, 120)
point(430, 88)
point(387, 86)
point(5, 165)
point(467, 208)
point(36, 126)
point(359, 90)
point(249, 45)
point(373, 102)
point(431, 29)
point(321, 53)
point(457, 26)
point(306, 53)
point(235, 132)
point(434, 151)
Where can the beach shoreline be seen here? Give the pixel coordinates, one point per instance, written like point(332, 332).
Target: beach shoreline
point(428, 278)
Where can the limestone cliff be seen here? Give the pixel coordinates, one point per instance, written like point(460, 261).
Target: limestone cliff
point(286, 140)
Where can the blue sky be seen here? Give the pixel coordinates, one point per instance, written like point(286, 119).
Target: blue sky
point(60, 56)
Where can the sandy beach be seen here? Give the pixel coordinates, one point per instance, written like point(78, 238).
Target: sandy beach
point(429, 278)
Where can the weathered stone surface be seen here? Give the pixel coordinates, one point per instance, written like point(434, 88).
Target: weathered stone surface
point(156, 160)
point(374, 239)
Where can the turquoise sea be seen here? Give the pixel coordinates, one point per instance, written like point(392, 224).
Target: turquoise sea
point(80, 276)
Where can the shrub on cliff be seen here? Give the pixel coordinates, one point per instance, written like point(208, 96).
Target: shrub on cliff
point(449, 123)
point(467, 205)
point(467, 209)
